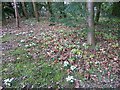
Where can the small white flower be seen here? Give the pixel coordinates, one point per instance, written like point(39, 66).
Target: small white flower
point(70, 78)
point(73, 68)
point(84, 44)
point(18, 58)
point(8, 81)
point(22, 41)
point(31, 31)
point(24, 33)
point(34, 37)
point(20, 33)
point(33, 44)
point(17, 34)
point(30, 44)
point(27, 56)
point(29, 34)
point(66, 63)
point(26, 45)
point(97, 62)
point(71, 81)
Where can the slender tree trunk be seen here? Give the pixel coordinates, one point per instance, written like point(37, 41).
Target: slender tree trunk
point(24, 10)
point(3, 14)
point(98, 12)
point(16, 14)
point(91, 35)
point(50, 9)
point(35, 10)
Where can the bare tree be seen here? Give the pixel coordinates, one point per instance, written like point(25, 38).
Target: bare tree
point(98, 7)
point(24, 10)
point(35, 10)
point(16, 14)
point(91, 31)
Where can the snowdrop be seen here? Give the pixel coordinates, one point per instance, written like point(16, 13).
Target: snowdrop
point(97, 62)
point(17, 34)
point(26, 45)
point(33, 44)
point(70, 79)
point(8, 81)
point(84, 44)
point(31, 31)
point(66, 63)
point(22, 41)
point(73, 68)
point(34, 37)
point(20, 33)
point(18, 58)
point(30, 44)
point(24, 33)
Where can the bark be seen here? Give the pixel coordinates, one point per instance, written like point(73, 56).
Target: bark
point(16, 14)
point(24, 9)
point(3, 14)
point(35, 10)
point(50, 9)
point(91, 35)
point(98, 12)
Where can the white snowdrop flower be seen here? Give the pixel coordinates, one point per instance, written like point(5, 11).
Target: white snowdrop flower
point(33, 44)
point(17, 34)
point(84, 44)
point(31, 31)
point(8, 81)
point(97, 62)
point(27, 56)
point(71, 81)
point(22, 41)
point(18, 58)
point(4, 34)
point(69, 78)
point(66, 63)
point(20, 33)
point(30, 44)
point(34, 37)
point(26, 45)
point(24, 33)
point(73, 68)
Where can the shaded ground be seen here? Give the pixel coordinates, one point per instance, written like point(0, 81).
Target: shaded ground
point(35, 55)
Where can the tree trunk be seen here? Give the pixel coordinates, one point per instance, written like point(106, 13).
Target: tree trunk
point(24, 10)
point(50, 9)
point(16, 14)
point(3, 14)
point(35, 10)
point(98, 7)
point(91, 35)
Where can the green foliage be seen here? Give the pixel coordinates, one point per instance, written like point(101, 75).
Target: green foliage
point(7, 37)
point(34, 73)
point(110, 36)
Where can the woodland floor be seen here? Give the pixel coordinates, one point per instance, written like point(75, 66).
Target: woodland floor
point(35, 55)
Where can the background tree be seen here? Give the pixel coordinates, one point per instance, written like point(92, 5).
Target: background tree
point(16, 14)
point(35, 10)
point(24, 9)
point(98, 7)
point(90, 20)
